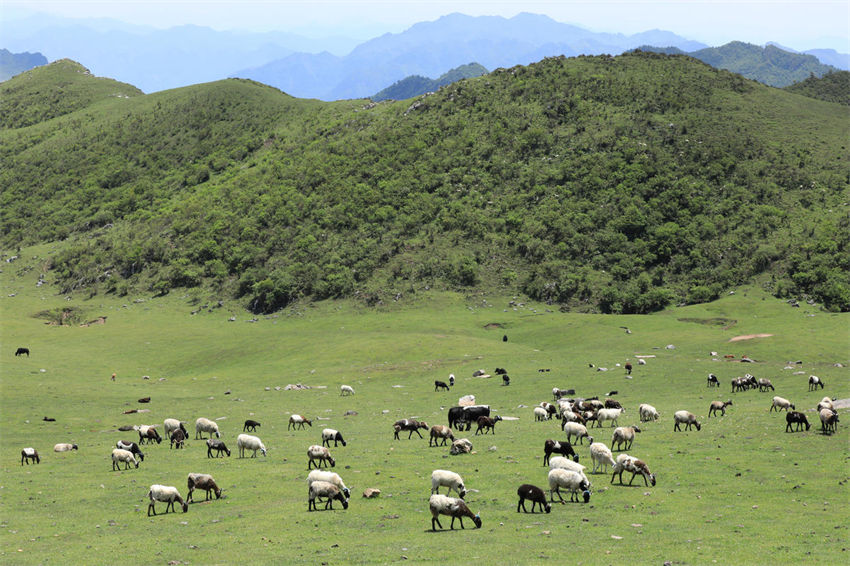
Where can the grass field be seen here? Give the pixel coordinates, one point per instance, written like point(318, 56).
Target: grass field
point(740, 491)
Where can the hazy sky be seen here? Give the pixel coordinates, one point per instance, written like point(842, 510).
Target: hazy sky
point(797, 24)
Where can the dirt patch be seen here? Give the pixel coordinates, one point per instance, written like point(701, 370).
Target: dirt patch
point(841, 404)
point(716, 321)
point(748, 337)
point(493, 325)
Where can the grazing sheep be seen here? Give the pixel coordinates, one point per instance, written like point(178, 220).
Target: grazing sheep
point(178, 437)
point(534, 494)
point(613, 404)
point(298, 421)
point(203, 425)
point(320, 454)
point(250, 426)
point(765, 384)
point(451, 380)
point(647, 413)
point(815, 382)
point(218, 446)
point(612, 415)
point(828, 421)
point(329, 434)
point(460, 446)
point(780, 403)
point(712, 381)
point(798, 418)
point(440, 432)
point(119, 455)
point(204, 482)
point(628, 367)
point(626, 463)
point(568, 479)
point(686, 418)
point(449, 479)
point(30, 453)
point(246, 441)
point(487, 423)
point(555, 447)
point(346, 390)
point(327, 490)
point(506, 380)
point(577, 430)
point(601, 457)
point(718, 406)
point(624, 435)
point(65, 447)
point(451, 507)
point(558, 393)
point(825, 403)
point(132, 447)
point(567, 464)
point(148, 433)
point(440, 385)
point(540, 414)
point(173, 424)
point(330, 477)
point(165, 494)
point(411, 425)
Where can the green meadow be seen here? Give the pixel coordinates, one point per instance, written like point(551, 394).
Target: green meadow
point(740, 491)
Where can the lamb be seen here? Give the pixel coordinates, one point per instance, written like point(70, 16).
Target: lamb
point(647, 413)
point(250, 426)
point(534, 494)
point(686, 418)
point(346, 390)
point(327, 490)
point(173, 424)
point(612, 415)
point(330, 477)
point(178, 437)
point(828, 420)
point(451, 507)
point(411, 425)
point(298, 421)
point(65, 447)
point(574, 481)
point(555, 447)
point(329, 434)
point(440, 432)
point(624, 435)
point(780, 403)
point(246, 441)
point(320, 454)
point(449, 479)
point(218, 446)
point(203, 425)
point(577, 430)
point(540, 414)
point(712, 381)
point(765, 384)
point(165, 494)
point(30, 453)
point(798, 418)
point(601, 456)
point(451, 380)
point(626, 463)
point(149, 433)
point(718, 406)
point(814, 382)
point(132, 447)
point(119, 455)
point(440, 385)
point(487, 423)
point(204, 482)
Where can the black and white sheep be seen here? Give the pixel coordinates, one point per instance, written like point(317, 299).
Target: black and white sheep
point(440, 432)
point(411, 425)
point(568, 479)
point(487, 423)
point(149, 433)
point(451, 507)
point(30, 453)
point(218, 446)
point(534, 494)
point(170, 425)
point(203, 425)
point(125, 456)
point(203, 482)
point(250, 426)
point(248, 442)
point(718, 406)
point(624, 435)
point(165, 494)
point(329, 434)
point(556, 447)
point(327, 490)
point(780, 403)
point(685, 418)
point(712, 381)
point(797, 418)
point(815, 382)
point(132, 447)
point(317, 455)
point(297, 421)
point(451, 480)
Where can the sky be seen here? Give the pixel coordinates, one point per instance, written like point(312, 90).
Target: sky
point(797, 24)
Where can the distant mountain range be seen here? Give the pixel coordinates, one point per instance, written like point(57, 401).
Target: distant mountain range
point(416, 84)
point(13, 63)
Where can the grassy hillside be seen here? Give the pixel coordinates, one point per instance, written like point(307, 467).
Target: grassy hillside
point(715, 487)
point(610, 184)
point(416, 85)
point(832, 87)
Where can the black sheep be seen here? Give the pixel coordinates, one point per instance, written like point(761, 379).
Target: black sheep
point(534, 494)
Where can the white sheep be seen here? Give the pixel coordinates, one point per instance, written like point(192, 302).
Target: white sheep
point(203, 425)
point(686, 418)
point(327, 490)
point(246, 441)
point(612, 415)
point(825, 403)
point(64, 447)
point(320, 454)
point(449, 479)
point(624, 435)
point(174, 424)
point(346, 390)
point(451, 507)
point(119, 455)
point(601, 456)
point(780, 403)
point(540, 414)
point(165, 494)
point(330, 477)
point(578, 430)
point(568, 479)
point(647, 413)
point(566, 464)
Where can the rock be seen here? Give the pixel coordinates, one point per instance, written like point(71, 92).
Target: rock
point(349, 413)
point(492, 449)
point(371, 493)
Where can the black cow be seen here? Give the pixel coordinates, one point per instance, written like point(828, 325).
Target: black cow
point(459, 416)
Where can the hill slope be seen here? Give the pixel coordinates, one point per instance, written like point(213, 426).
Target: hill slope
point(617, 184)
point(832, 87)
point(415, 85)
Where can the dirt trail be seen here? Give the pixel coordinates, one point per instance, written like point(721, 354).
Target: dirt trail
point(748, 337)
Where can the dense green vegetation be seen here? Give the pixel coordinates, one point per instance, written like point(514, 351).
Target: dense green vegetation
point(612, 184)
point(415, 85)
point(832, 87)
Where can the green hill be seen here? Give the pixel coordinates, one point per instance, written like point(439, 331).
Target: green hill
point(416, 85)
point(832, 87)
point(614, 184)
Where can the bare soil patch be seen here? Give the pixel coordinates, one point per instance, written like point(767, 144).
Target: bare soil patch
point(748, 337)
